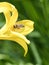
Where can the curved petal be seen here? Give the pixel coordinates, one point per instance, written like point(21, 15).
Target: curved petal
point(5, 27)
point(17, 37)
point(7, 9)
point(28, 27)
point(16, 34)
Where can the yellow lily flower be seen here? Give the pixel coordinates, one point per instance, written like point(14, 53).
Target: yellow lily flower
point(13, 30)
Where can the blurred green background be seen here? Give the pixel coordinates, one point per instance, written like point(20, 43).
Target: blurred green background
point(38, 54)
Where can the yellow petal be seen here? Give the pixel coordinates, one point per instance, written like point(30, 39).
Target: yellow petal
point(5, 27)
point(21, 36)
point(28, 27)
point(7, 9)
point(17, 37)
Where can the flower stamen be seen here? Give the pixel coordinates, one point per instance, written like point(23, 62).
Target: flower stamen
point(18, 26)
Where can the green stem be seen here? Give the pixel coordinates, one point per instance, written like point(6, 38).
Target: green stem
point(35, 52)
point(30, 10)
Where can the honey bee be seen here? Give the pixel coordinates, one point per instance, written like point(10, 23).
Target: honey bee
point(18, 26)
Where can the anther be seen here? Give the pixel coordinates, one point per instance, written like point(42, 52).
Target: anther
point(18, 26)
